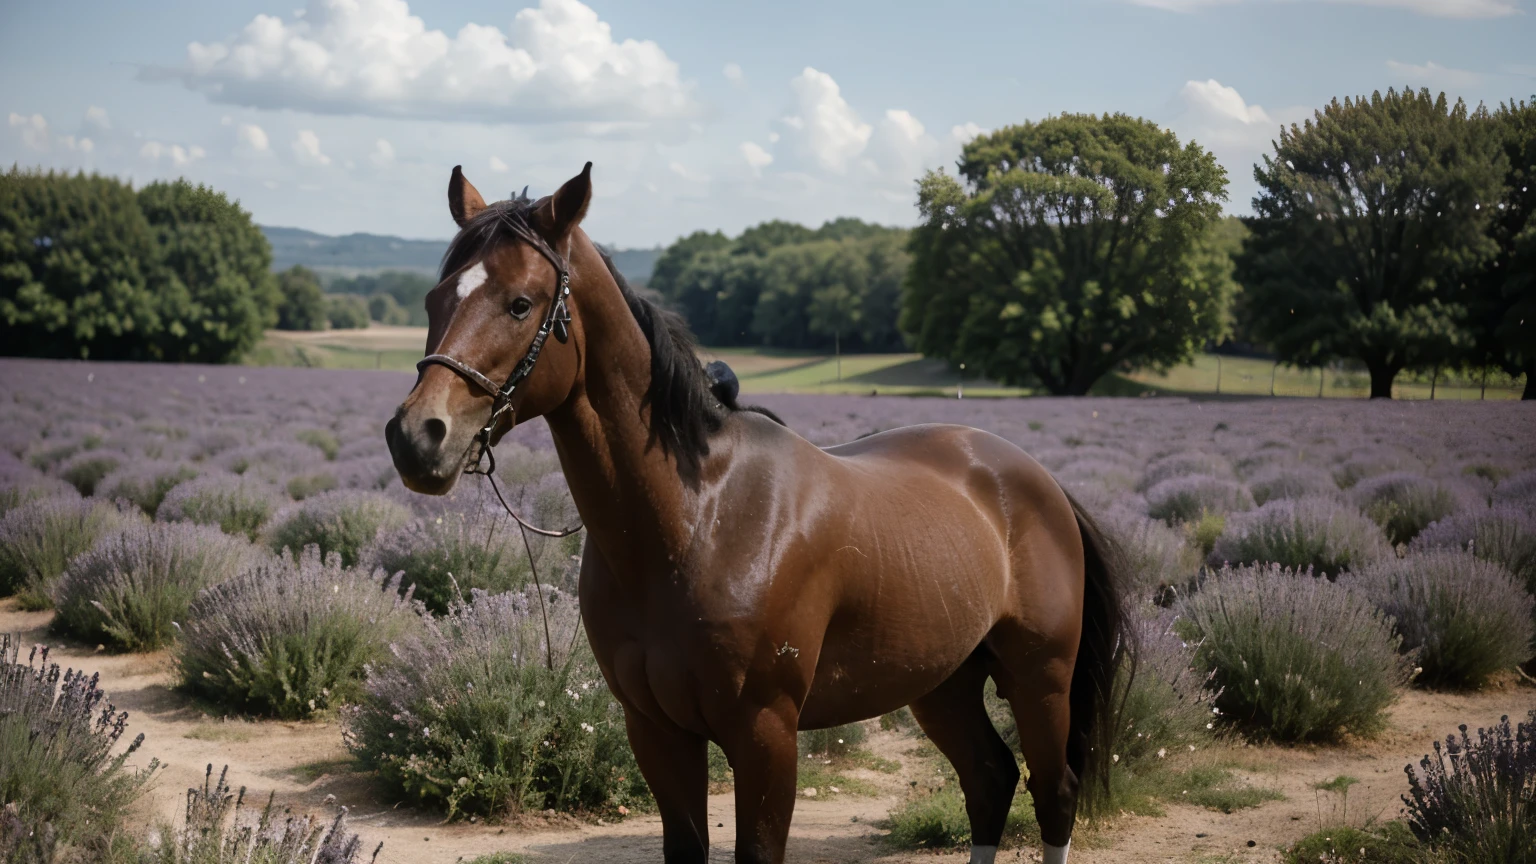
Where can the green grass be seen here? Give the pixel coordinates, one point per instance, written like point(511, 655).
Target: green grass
point(232, 731)
point(1390, 843)
point(498, 858)
point(309, 772)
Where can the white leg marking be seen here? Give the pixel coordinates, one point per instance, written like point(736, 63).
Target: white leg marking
point(983, 854)
point(471, 279)
point(1056, 854)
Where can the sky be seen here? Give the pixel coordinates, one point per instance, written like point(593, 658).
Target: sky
point(348, 115)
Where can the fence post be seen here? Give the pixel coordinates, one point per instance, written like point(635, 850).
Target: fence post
point(1218, 374)
point(1322, 375)
point(1272, 370)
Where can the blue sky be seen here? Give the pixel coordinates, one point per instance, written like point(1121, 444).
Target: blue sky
point(347, 115)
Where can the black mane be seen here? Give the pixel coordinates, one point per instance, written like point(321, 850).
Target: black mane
point(686, 406)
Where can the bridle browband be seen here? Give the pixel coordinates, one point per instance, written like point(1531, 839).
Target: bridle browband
point(557, 321)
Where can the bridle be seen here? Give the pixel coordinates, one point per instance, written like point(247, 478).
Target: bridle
point(557, 321)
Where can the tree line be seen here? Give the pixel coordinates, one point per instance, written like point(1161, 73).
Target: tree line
point(1393, 231)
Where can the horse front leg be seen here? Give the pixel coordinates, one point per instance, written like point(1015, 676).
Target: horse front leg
point(675, 764)
point(764, 759)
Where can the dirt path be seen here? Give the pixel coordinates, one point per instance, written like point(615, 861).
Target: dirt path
point(306, 764)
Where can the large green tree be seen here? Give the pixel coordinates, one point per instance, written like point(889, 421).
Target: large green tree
point(215, 273)
point(303, 305)
point(1507, 284)
point(1370, 219)
point(1063, 250)
point(778, 283)
point(76, 256)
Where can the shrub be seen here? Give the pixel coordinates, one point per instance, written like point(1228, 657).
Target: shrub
point(341, 522)
point(38, 539)
point(1370, 463)
point(476, 716)
point(1466, 618)
point(1153, 556)
point(1297, 658)
point(305, 486)
point(128, 591)
point(1518, 489)
point(1472, 799)
point(1286, 481)
point(85, 471)
point(936, 819)
point(290, 637)
point(1404, 504)
point(145, 484)
point(215, 830)
point(1167, 705)
point(1187, 498)
point(1503, 534)
point(1322, 534)
point(25, 489)
point(1183, 465)
point(238, 505)
point(323, 440)
point(62, 782)
point(1390, 844)
point(473, 550)
point(833, 741)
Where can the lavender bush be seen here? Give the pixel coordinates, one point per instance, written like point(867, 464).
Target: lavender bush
point(1466, 619)
point(479, 717)
point(145, 484)
point(1297, 658)
point(1168, 706)
point(63, 776)
point(38, 539)
point(1474, 800)
point(451, 553)
point(1291, 481)
point(1321, 534)
point(1404, 504)
point(342, 522)
point(85, 471)
point(290, 636)
point(1518, 490)
point(1189, 497)
point(1183, 465)
point(238, 505)
point(216, 830)
point(1157, 563)
point(1503, 534)
point(129, 590)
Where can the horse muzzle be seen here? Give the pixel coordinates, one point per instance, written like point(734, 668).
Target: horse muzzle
point(429, 451)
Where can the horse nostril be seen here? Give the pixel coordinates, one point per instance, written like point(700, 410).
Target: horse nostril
point(435, 429)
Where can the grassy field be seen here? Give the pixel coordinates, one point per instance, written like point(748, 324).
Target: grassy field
point(766, 370)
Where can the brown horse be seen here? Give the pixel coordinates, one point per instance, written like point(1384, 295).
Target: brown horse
point(739, 583)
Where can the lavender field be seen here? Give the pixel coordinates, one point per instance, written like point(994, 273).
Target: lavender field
point(1305, 573)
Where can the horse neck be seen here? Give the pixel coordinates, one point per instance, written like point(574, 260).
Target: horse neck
point(629, 494)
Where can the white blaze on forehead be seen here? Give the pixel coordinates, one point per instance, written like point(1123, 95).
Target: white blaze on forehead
point(471, 279)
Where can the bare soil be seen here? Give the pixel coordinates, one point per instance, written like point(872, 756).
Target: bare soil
point(307, 767)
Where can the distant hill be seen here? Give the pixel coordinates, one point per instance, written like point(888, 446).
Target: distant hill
point(355, 254)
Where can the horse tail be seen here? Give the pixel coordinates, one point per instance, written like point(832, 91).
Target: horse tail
point(1106, 663)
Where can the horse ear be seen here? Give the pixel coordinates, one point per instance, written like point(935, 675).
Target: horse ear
point(568, 206)
point(464, 200)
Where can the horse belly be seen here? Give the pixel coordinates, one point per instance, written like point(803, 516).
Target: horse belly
point(887, 646)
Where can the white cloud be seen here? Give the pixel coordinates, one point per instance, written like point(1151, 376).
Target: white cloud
point(251, 138)
point(686, 173)
point(963, 133)
point(306, 148)
point(34, 130)
point(79, 145)
point(757, 158)
point(497, 165)
point(556, 63)
point(901, 148)
point(1434, 75)
point(1219, 119)
point(383, 153)
point(828, 128)
point(177, 155)
point(732, 73)
point(97, 117)
point(1429, 8)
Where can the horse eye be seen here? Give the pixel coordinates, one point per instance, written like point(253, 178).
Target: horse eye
point(521, 307)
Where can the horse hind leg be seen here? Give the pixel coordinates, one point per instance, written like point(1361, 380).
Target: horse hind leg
point(955, 719)
point(1038, 689)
